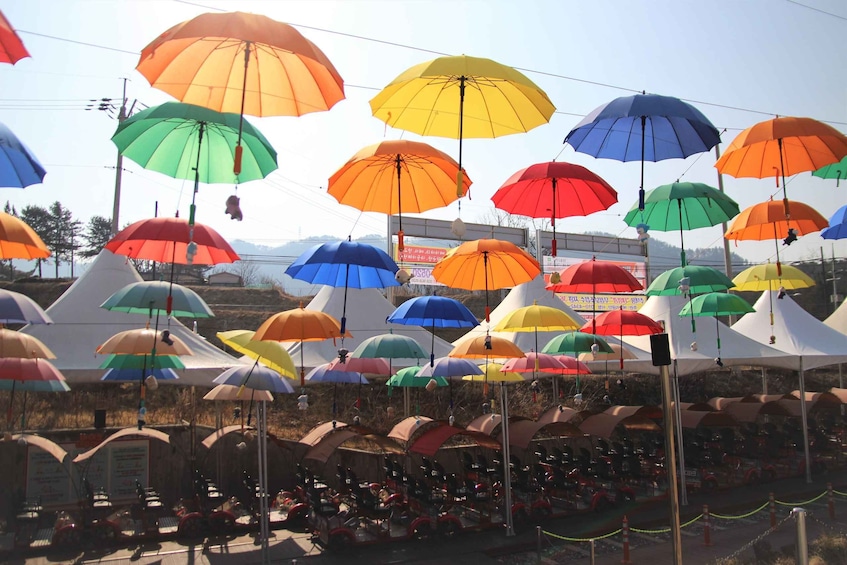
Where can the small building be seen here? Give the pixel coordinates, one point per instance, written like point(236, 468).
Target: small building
point(225, 278)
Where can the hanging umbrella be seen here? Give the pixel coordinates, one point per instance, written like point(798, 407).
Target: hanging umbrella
point(35, 386)
point(299, 325)
point(837, 225)
point(573, 343)
point(782, 147)
point(366, 365)
point(257, 377)
point(554, 190)
point(622, 322)
point(433, 312)
point(230, 392)
point(464, 97)
point(124, 361)
point(397, 176)
point(12, 48)
point(645, 127)
point(697, 205)
point(23, 346)
point(691, 279)
point(38, 375)
point(716, 304)
point(573, 365)
point(172, 240)
point(131, 375)
point(16, 308)
point(535, 318)
point(139, 341)
point(617, 352)
point(450, 368)
point(272, 354)
point(19, 168)
point(835, 171)
point(486, 347)
point(494, 373)
point(18, 240)
point(406, 378)
point(327, 374)
point(389, 346)
point(486, 264)
point(242, 63)
point(536, 363)
point(768, 220)
point(345, 263)
point(158, 297)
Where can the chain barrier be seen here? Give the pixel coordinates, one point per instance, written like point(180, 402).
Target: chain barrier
point(740, 516)
point(839, 493)
point(815, 499)
point(828, 526)
point(666, 530)
point(565, 538)
point(753, 541)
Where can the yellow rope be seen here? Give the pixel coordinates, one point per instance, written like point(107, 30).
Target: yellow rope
point(565, 538)
point(747, 515)
point(818, 497)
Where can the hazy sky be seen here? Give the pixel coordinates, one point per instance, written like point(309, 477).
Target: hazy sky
point(739, 62)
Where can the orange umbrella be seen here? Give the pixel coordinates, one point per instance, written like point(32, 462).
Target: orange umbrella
point(397, 176)
point(485, 264)
point(12, 48)
point(23, 346)
point(780, 147)
point(242, 63)
point(19, 241)
point(139, 342)
point(300, 325)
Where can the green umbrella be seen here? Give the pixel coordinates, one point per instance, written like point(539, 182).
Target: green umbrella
point(683, 206)
point(138, 362)
point(390, 346)
point(166, 139)
point(699, 280)
point(835, 171)
point(574, 343)
point(158, 297)
point(716, 304)
point(406, 378)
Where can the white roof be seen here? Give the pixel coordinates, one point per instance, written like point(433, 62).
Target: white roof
point(736, 347)
point(80, 326)
point(838, 319)
point(796, 331)
point(367, 310)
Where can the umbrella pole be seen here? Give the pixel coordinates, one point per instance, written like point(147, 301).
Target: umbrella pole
point(236, 165)
point(553, 219)
point(344, 307)
point(192, 209)
point(460, 174)
point(23, 415)
point(432, 346)
point(681, 240)
point(718, 333)
point(400, 244)
point(776, 245)
point(9, 411)
point(782, 172)
point(485, 270)
point(302, 371)
point(641, 190)
point(507, 472)
point(334, 406)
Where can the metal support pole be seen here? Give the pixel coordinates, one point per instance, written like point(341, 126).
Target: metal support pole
point(507, 475)
point(804, 415)
point(801, 542)
point(263, 482)
point(764, 380)
point(670, 461)
point(119, 167)
point(591, 548)
point(538, 542)
point(677, 414)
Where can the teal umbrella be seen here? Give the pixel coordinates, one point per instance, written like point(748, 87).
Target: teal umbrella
point(574, 343)
point(682, 206)
point(158, 297)
point(716, 304)
point(406, 378)
point(390, 346)
point(141, 362)
point(835, 171)
point(689, 280)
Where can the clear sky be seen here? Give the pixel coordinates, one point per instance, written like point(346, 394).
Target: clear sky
point(738, 61)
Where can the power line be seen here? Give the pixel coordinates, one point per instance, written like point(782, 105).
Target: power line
point(77, 42)
point(816, 9)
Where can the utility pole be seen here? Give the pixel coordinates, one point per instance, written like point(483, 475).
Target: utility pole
point(727, 258)
point(116, 206)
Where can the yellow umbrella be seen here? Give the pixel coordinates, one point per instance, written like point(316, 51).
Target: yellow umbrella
point(494, 373)
point(767, 277)
point(484, 264)
point(460, 97)
point(24, 346)
point(271, 354)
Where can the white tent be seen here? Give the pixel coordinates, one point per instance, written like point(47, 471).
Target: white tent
point(736, 348)
point(367, 310)
point(838, 319)
point(80, 326)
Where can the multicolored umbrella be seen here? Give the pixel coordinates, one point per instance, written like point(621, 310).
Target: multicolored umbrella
point(12, 48)
point(554, 190)
point(645, 127)
point(397, 176)
point(462, 97)
point(138, 362)
point(131, 375)
point(697, 205)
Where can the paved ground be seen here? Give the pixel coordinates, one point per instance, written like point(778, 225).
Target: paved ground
point(728, 536)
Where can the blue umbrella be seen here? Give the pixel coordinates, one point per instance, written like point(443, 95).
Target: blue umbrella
point(18, 166)
point(837, 225)
point(345, 263)
point(434, 312)
point(323, 374)
point(645, 127)
point(256, 377)
point(16, 308)
point(449, 368)
point(131, 375)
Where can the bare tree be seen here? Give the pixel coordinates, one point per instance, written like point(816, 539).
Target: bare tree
point(248, 271)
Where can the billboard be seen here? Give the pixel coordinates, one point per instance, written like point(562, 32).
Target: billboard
point(419, 260)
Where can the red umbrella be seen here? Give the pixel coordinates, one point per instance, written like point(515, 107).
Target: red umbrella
point(622, 322)
point(367, 365)
point(535, 362)
point(554, 190)
point(12, 48)
point(573, 365)
point(168, 240)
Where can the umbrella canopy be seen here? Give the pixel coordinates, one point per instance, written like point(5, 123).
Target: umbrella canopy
point(16, 308)
point(22, 370)
point(536, 317)
point(158, 297)
point(536, 363)
point(837, 225)
point(682, 206)
point(23, 346)
point(485, 347)
point(12, 48)
point(139, 362)
point(554, 190)
point(397, 177)
point(782, 147)
point(231, 392)
point(191, 142)
point(390, 346)
point(716, 304)
point(486, 264)
point(573, 343)
point(325, 374)
point(406, 378)
point(449, 368)
point(167, 240)
point(272, 354)
point(645, 127)
point(617, 352)
point(433, 311)
point(142, 342)
point(19, 241)
point(767, 220)
point(19, 168)
point(690, 279)
point(462, 97)
point(573, 365)
point(766, 277)
point(131, 375)
point(365, 365)
point(232, 62)
point(622, 322)
point(835, 171)
point(494, 373)
point(256, 377)
point(595, 276)
point(299, 324)
point(35, 385)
